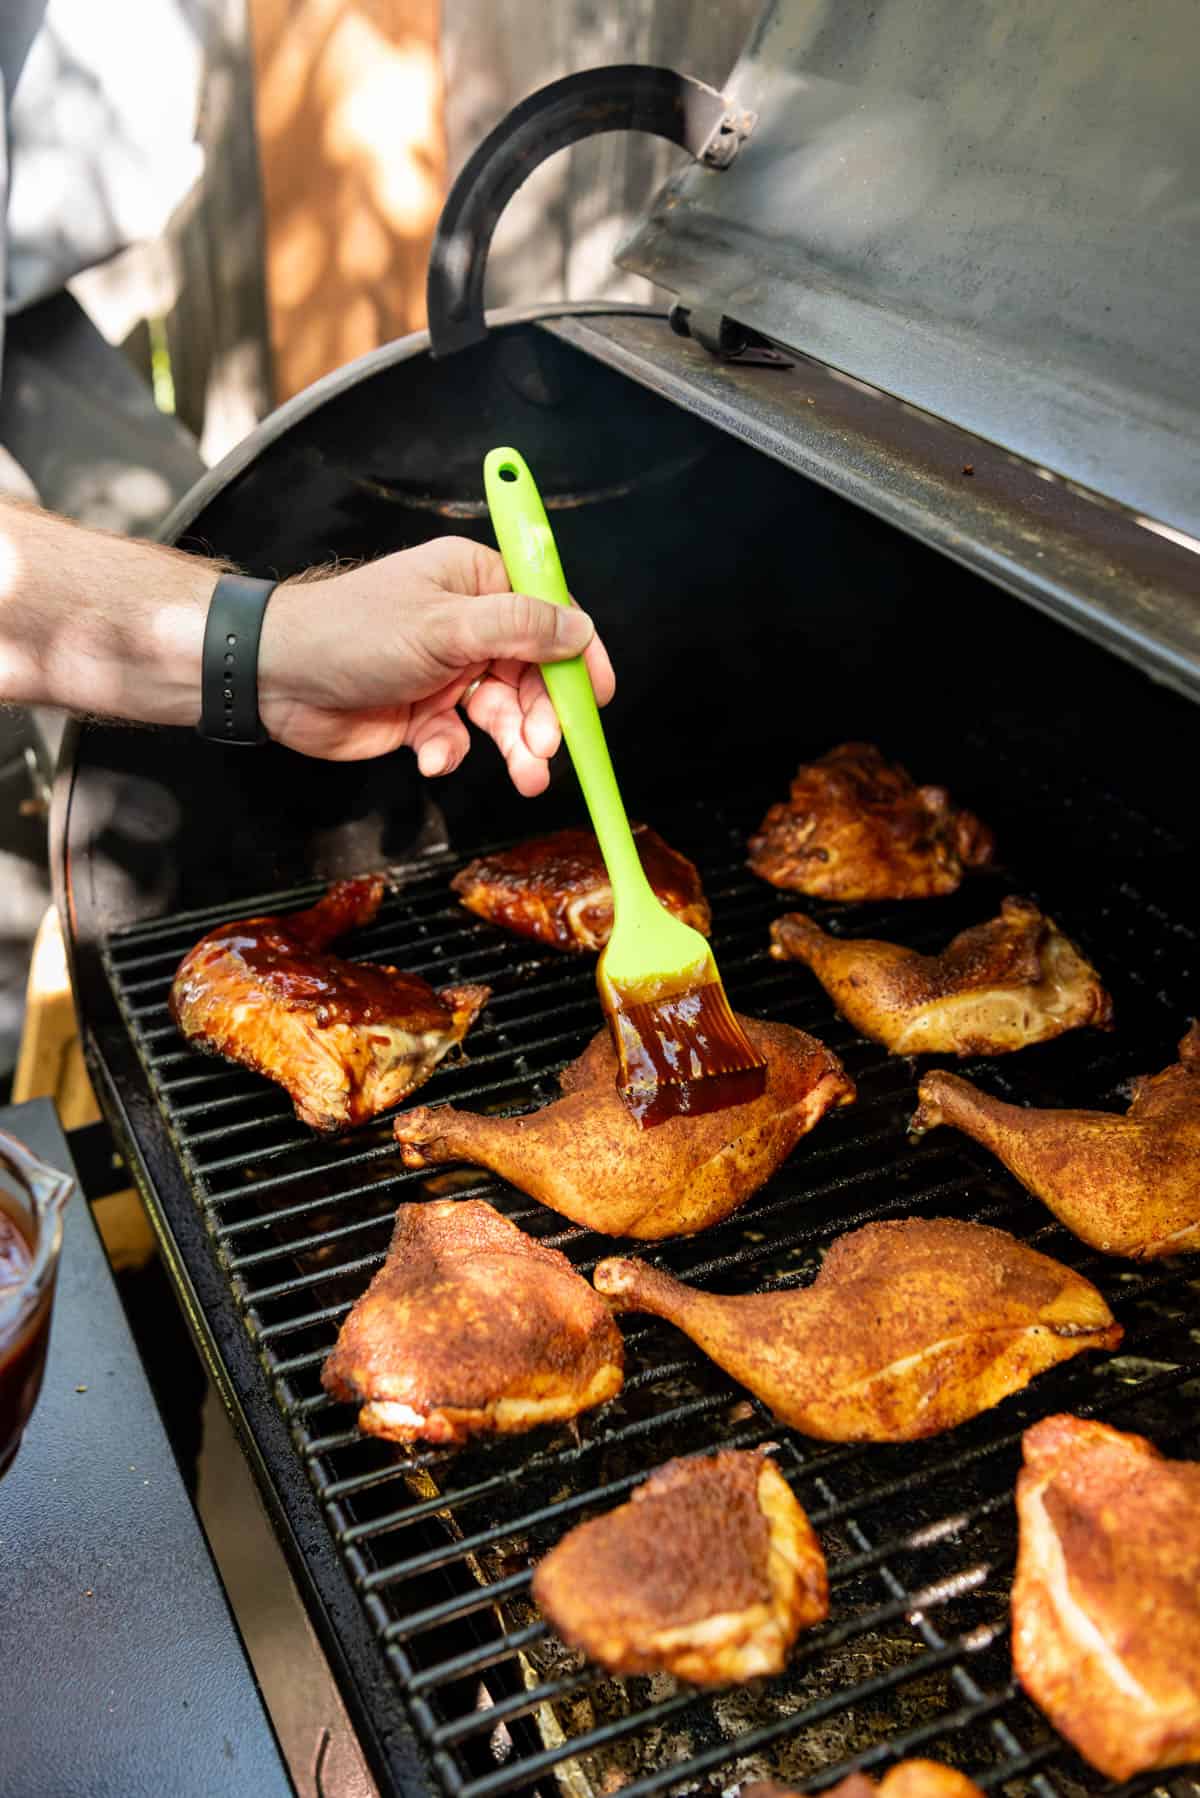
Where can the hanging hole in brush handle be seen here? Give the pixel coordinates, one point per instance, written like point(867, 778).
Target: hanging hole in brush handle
point(620, 97)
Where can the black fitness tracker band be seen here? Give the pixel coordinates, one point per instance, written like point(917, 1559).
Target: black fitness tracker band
point(229, 665)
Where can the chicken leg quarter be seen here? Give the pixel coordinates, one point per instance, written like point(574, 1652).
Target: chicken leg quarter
point(471, 1326)
point(908, 1329)
point(1127, 1185)
point(999, 986)
point(586, 1157)
point(346, 1039)
point(709, 1572)
point(1106, 1598)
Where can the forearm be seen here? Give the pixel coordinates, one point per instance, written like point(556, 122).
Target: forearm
point(99, 623)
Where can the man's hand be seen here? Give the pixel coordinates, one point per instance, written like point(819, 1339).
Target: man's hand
point(359, 663)
point(350, 665)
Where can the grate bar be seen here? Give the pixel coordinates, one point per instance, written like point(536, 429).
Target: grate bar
point(747, 1743)
point(561, 1509)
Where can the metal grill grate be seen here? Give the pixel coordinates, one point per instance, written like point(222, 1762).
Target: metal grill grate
point(920, 1538)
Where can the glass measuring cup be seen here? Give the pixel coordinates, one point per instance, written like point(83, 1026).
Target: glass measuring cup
point(32, 1199)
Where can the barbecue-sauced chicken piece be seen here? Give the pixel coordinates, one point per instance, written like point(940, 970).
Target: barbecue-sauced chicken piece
point(1106, 1599)
point(470, 1326)
point(1127, 1185)
point(709, 1572)
point(908, 1329)
point(345, 1038)
point(858, 827)
point(999, 986)
point(910, 1779)
point(586, 1156)
point(556, 889)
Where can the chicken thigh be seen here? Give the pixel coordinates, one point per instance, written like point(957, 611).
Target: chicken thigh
point(910, 1779)
point(857, 827)
point(709, 1572)
point(472, 1326)
point(908, 1329)
point(586, 1156)
point(345, 1039)
point(556, 889)
point(1106, 1599)
point(997, 987)
point(1127, 1185)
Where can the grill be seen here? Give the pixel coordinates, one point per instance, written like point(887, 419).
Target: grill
point(419, 1561)
point(968, 533)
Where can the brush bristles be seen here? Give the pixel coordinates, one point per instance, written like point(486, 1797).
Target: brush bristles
point(683, 1054)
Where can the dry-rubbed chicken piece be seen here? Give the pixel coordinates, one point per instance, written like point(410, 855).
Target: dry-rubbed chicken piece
point(910, 1779)
point(709, 1572)
point(471, 1326)
point(857, 827)
point(1106, 1600)
point(345, 1038)
point(586, 1156)
point(908, 1329)
point(557, 890)
point(1127, 1185)
point(999, 986)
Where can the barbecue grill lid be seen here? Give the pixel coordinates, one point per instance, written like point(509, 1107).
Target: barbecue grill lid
point(989, 212)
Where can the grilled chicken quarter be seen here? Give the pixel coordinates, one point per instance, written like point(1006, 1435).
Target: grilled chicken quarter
point(345, 1039)
point(1106, 1598)
point(556, 889)
point(586, 1157)
point(910, 1328)
point(709, 1572)
point(471, 1327)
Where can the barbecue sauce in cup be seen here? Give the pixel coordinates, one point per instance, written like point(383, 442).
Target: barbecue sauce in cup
point(32, 1197)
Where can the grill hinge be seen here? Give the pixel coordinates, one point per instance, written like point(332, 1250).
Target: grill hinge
point(724, 337)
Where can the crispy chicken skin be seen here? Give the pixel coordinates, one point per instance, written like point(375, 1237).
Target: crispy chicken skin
point(908, 1329)
point(1106, 1599)
point(999, 986)
point(586, 1156)
point(709, 1572)
point(471, 1326)
point(1127, 1185)
point(858, 827)
point(556, 889)
point(346, 1039)
point(910, 1779)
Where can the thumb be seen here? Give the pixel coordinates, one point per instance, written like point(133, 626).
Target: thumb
point(516, 627)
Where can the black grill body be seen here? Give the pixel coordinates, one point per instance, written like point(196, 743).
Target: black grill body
point(754, 620)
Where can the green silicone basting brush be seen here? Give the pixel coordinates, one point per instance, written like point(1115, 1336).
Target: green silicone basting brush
point(681, 1047)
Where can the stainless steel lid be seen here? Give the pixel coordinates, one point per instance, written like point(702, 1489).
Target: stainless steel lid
point(991, 212)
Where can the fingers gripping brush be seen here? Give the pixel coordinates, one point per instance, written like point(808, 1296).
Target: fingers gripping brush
point(680, 1047)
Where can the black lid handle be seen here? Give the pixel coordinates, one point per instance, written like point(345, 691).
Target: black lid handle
point(621, 97)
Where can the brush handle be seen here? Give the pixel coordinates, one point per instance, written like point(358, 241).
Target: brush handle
point(531, 558)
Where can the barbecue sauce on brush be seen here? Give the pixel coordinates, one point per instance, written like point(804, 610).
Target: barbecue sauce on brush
point(22, 1342)
point(669, 1046)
